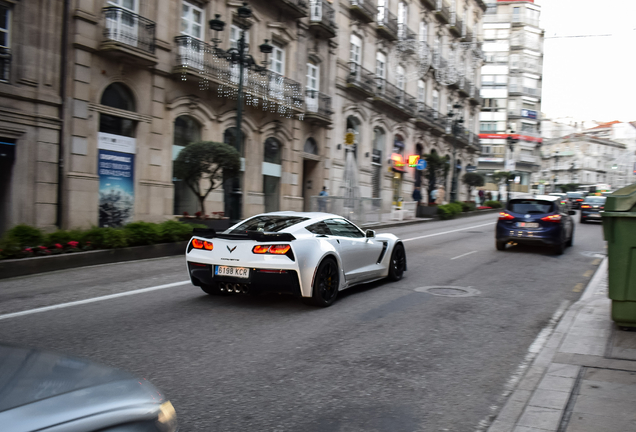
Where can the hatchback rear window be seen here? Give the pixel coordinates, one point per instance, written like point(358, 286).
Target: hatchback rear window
point(268, 223)
point(530, 206)
point(596, 200)
point(575, 195)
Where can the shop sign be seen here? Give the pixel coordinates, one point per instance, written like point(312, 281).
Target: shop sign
point(398, 160)
point(413, 159)
point(528, 114)
point(471, 168)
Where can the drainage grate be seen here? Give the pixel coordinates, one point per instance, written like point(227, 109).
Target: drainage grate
point(449, 291)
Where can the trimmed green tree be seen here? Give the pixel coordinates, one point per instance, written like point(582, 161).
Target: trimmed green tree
point(472, 180)
point(437, 168)
point(205, 165)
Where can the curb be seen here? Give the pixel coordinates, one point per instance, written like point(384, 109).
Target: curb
point(29, 266)
point(519, 397)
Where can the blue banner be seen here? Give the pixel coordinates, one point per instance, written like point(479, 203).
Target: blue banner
point(116, 188)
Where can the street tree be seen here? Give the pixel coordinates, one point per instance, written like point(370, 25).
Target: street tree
point(472, 180)
point(205, 165)
point(437, 168)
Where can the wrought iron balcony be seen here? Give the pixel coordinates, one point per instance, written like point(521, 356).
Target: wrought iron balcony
point(126, 28)
point(361, 79)
point(394, 96)
point(407, 39)
point(387, 23)
point(191, 54)
point(318, 107)
point(5, 63)
point(294, 8)
point(475, 95)
point(366, 10)
point(430, 117)
point(522, 90)
point(442, 11)
point(322, 18)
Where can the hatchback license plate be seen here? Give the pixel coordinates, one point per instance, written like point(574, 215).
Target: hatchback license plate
point(527, 224)
point(239, 272)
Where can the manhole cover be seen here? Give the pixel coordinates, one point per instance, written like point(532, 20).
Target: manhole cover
point(593, 254)
point(449, 291)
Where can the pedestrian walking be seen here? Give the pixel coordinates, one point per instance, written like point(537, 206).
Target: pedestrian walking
point(417, 195)
point(488, 196)
point(433, 196)
point(481, 196)
point(322, 199)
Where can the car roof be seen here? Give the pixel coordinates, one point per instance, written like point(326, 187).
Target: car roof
point(312, 218)
point(547, 197)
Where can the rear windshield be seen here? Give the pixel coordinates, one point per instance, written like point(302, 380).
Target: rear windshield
point(530, 206)
point(268, 223)
point(596, 200)
point(575, 195)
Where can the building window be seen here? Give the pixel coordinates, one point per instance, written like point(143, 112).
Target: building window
point(278, 59)
point(423, 31)
point(235, 35)
point(5, 55)
point(355, 49)
point(186, 131)
point(488, 126)
point(311, 147)
point(400, 81)
point(118, 96)
point(380, 65)
point(421, 91)
point(436, 102)
point(313, 86)
point(192, 19)
point(272, 160)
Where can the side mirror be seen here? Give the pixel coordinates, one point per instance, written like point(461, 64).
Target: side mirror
point(370, 234)
point(571, 212)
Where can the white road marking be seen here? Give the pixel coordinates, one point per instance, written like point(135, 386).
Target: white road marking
point(448, 232)
point(463, 255)
point(91, 300)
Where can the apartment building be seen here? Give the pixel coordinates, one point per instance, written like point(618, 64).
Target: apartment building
point(511, 90)
point(402, 68)
point(583, 159)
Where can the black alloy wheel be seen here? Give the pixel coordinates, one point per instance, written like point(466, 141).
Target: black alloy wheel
point(559, 248)
point(582, 219)
point(501, 245)
point(326, 283)
point(398, 263)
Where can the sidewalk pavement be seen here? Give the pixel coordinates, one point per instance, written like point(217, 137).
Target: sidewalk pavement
point(583, 379)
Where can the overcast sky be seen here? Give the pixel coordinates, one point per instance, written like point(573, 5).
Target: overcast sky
point(589, 78)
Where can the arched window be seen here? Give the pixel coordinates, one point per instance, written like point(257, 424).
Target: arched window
point(353, 125)
point(272, 171)
point(186, 131)
point(117, 95)
point(229, 137)
point(379, 140)
point(311, 147)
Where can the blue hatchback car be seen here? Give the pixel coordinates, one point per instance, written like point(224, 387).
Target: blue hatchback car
point(542, 220)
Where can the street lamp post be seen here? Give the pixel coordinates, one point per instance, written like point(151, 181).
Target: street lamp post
point(511, 145)
point(454, 127)
point(556, 176)
point(239, 56)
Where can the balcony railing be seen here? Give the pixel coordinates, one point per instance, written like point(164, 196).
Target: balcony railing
point(129, 29)
point(361, 78)
point(5, 63)
point(517, 19)
point(439, 62)
point(318, 103)
point(407, 38)
point(425, 112)
point(396, 96)
point(294, 8)
point(323, 13)
point(515, 88)
point(261, 86)
point(366, 9)
point(528, 158)
point(521, 20)
point(387, 23)
point(442, 11)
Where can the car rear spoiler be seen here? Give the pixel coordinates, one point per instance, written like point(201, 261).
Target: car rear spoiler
point(258, 236)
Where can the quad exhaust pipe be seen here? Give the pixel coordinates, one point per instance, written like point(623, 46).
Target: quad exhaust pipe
point(237, 288)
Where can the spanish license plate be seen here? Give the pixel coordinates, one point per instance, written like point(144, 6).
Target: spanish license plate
point(239, 272)
point(594, 215)
point(527, 225)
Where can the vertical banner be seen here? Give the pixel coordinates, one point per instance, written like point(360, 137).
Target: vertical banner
point(116, 169)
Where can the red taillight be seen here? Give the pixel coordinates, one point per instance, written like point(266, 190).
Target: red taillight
point(602, 207)
point(579, 199)
point(280, 249)
point(552, 218)
point(260, 249)
point(505, 216)
point(201, 244)
point(586, 206)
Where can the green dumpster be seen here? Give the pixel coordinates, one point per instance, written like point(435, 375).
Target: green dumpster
point(619, 228)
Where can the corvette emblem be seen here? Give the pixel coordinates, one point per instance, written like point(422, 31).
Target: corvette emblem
point(231, 249)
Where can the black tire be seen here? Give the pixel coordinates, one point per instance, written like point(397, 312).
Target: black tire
point(581, 220)
point(501, 245)
point(559, 249)
point(571, 239)
point(397, 265)
point(326, 283)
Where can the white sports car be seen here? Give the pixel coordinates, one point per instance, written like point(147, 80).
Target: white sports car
point(310, 255)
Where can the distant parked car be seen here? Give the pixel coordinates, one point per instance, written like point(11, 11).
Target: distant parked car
point(44, 391)
point(542, 220)
point(575, 199)
point(591, 208)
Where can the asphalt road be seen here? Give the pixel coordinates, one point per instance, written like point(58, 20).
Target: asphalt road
point(384, 357)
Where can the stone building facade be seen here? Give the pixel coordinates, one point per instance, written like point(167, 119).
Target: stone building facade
point(401, 67)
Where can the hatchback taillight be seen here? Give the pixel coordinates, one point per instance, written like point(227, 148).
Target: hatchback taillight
point(586, 206)
point(579, 199)
point(505, 216)
point(552, 218)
